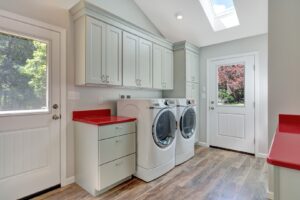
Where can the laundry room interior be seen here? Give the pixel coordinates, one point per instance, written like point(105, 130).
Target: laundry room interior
point(139, 99)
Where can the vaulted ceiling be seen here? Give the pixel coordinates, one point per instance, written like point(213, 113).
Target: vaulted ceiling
point(195, 27)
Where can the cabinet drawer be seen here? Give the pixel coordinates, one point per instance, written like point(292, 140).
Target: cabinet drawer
point(115, 171)
point(116, 130)
point(117, 147)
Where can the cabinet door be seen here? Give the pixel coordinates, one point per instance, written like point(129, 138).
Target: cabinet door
point(168, 72)
point(158, 68)
point(195, 68)
point(113, 55)
point(145, 64)
point(95, 51)
point(192, 67)
point(130, 59)
point(188, 67)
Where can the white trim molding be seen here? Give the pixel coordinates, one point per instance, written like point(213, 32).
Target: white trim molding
point(202, 144)
point(68, 181)
point(63, 83)
point(270, 195)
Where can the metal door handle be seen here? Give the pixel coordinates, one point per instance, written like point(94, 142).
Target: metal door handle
point(55, 106)
point(56, 117)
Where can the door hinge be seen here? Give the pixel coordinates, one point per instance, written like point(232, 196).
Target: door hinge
point(254, 67)
point(253, 104)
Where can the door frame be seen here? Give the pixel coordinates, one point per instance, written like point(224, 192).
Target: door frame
point(63, 85)
point(256, 95)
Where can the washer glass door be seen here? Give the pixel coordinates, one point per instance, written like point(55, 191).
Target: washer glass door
point(188, 122)
point(164, 128)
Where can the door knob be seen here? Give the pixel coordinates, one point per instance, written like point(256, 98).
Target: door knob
point(56, 117)
point(55, 106)
point(212, 108)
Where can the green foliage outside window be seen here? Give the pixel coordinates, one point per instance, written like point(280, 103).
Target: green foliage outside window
point(23, 73)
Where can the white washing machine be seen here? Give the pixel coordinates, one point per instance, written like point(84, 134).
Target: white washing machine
point(156, 134)
point(185, 135)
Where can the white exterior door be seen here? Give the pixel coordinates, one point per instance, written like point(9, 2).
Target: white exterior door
point(231, 103)
point(29, 123)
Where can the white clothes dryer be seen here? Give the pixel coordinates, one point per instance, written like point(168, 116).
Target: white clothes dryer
point(185, 136)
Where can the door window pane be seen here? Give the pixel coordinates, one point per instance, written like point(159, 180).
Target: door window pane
point(231, 84)
point(23, 74)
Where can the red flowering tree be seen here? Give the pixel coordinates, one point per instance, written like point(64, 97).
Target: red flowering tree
point(231, 82)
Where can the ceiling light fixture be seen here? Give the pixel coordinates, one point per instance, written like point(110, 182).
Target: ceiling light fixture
point(179, 16)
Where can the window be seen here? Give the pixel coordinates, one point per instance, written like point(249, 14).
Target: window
point(231, 84)
point(23, 75)
point(220, 13)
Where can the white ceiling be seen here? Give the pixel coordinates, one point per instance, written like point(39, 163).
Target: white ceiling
point(195, 28)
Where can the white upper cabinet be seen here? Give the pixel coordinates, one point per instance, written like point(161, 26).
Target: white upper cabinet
point(137, 61)
point(162, 68)
point(192, 67)
point(130, 59)
point(144, 75)
point(98, 52)
point(113, 55)
point(168, 75)
point(94, 57)
point(112, 51)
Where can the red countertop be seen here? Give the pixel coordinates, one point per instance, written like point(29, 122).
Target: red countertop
point(99, 117)
point(285, 148)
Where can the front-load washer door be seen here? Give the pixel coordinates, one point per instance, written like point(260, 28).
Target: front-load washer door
point(188, 122)
point(164, 128)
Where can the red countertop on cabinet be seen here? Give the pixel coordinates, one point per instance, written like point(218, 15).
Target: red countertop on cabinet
point(285, 148)
point(99, 117)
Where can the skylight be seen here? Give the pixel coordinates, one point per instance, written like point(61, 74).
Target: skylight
point(220, 13)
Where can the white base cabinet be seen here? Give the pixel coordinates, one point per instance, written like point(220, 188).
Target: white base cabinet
point(104, 156)
point(286, 184)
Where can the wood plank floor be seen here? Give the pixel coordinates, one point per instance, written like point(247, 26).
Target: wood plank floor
point(213, 174)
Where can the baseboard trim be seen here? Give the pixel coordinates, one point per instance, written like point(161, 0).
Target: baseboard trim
point(68, 181)
point(270, 195)
point(261, 155)
point(202, 144)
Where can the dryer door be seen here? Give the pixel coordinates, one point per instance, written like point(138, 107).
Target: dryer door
point(188, 122)
point(164, 128)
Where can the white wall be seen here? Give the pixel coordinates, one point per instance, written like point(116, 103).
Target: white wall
point(253, 44)
point(284, 63)
point(88, 97)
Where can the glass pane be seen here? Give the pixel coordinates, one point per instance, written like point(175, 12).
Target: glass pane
point(165, 129)
point(188, 123)
point(222, 6)
point(231, 84)
point(23, 75)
